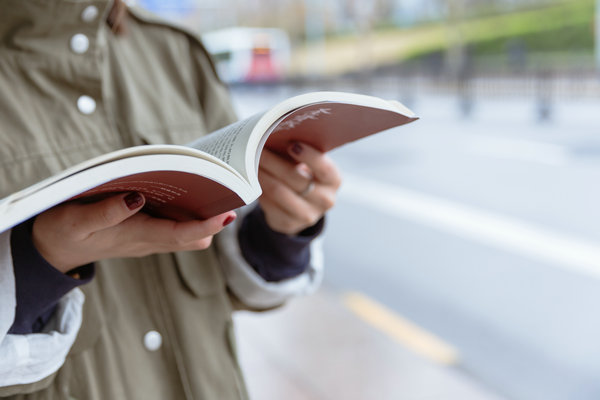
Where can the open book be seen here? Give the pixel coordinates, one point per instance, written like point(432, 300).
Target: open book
point(218, 172)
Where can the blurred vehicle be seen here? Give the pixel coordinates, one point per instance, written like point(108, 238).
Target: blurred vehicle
point(248, 55)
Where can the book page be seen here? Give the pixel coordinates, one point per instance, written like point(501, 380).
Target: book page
point(111, 157)
point(327, 125)
point(324, 120)
point(176, 186)
point(229, 143)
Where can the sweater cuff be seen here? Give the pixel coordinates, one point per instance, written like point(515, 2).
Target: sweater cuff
point(273, 255)
point(39, 286)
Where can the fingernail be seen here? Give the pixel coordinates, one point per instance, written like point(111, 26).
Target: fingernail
point(229, 220)
point(133, 200)
point(296, 148)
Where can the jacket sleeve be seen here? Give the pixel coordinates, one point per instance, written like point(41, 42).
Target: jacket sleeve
point(253, 290)
point(8, 302)
point(27, 360)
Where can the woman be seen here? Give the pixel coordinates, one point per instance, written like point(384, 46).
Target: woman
point(82, 78)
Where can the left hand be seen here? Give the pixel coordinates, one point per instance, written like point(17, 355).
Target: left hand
point(296, 195)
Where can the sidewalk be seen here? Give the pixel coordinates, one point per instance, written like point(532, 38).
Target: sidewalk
point(316, 349)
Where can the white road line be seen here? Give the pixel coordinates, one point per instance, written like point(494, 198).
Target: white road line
point(506, 233)
point(519, 149)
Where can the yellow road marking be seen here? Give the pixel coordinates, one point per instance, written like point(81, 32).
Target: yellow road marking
point(400, 329)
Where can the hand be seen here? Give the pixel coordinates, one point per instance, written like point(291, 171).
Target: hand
point(73, 234)
point(297, 194)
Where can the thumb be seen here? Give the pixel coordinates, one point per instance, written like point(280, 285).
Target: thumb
point(109, 212)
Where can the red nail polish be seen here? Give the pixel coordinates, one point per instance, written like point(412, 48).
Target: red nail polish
point(133, 200)
point(296, 149)
point(229, 220)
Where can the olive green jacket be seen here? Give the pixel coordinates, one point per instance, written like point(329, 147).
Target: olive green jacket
point(72, 90)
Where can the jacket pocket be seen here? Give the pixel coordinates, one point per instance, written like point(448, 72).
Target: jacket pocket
point(92, 323)
point(199, 272)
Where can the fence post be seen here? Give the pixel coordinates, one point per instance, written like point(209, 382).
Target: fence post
point(543, 94)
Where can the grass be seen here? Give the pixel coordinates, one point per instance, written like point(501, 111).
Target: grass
point(561, 27)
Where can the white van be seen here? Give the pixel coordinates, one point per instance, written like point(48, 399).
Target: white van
point(247, 55)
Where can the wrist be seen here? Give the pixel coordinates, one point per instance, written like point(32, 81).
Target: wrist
point(275, 256)
point(39, 285)
point(51, 254)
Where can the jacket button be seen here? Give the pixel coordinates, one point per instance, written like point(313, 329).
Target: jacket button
point(152, 340)
point(86, 104)
point(79, 43)
point(89, 13)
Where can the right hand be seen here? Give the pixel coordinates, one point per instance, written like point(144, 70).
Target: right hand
point(73, 234)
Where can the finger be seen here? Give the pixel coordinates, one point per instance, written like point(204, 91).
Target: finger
point(106, 213)
point(322, 167)
point(286, 199)
point(182, 235)
point(321, 197)
point(282, 221)
point(297, 176)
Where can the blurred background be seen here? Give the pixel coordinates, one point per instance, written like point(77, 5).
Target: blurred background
point(463, 256)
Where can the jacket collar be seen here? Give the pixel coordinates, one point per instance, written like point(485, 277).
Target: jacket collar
point(37, 19)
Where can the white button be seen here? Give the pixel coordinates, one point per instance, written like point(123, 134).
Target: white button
point(89, 13)
point(80, 43)
point(152, 340)
point(86, 104)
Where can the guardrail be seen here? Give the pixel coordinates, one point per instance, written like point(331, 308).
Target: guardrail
point(543, 87)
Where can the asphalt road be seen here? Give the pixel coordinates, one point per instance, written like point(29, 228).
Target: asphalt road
point(482, 231)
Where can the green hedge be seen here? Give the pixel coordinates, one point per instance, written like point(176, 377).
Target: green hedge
point(565, 27)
